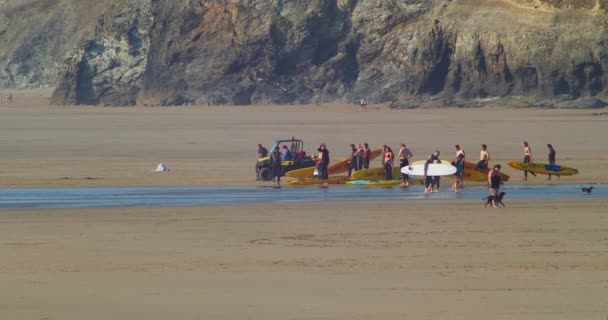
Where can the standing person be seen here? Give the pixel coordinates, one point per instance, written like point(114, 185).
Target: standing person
point(404, 160)
point(367, 154)
point(354, 155)
point(323, 161)
point(460, 151)
point(436, 179)
point(551, 157)
point(527, 158)
point(363, 104)
point(262, 152)
point(459, 164)
point(429, 181)
point(9, 98)
point(494, 182)
point(484, 158)
point(388, 162)
point(276, 159)
point(360, 156)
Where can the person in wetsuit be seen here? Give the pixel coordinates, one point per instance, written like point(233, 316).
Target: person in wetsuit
point(367, 154)
point(459, 164)
point(494, 182)
point(551, 157)
point(276, 160)
point(429, 181)
point(436, 179)
point(354, 154)
point(404, 160)
point(323, 161)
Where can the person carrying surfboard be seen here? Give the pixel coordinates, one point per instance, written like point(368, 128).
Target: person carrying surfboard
point(429, 181)
point(366, 155)
point(323, 161)
point(484, 157)
point(527, 158)
point(404, 160)
point(551, 157)
point(436, 179)
point(354, 155)
point(459, 164)
point(459, 151)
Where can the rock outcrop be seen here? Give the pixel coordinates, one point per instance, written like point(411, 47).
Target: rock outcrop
point(37, 35)
point(410, 53)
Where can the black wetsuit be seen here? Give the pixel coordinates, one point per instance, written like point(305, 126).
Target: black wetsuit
point(436, 179)
point(495, 182)
point(276, 160)
point(324, 164)
point(429, 181)
point(353, 162)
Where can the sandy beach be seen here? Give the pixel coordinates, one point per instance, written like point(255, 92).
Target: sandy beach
point(534, 259)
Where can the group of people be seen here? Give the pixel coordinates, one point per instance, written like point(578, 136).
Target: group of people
point(361, 155)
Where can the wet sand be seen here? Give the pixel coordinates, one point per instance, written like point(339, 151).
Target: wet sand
point(392, 260)
point(538, 259)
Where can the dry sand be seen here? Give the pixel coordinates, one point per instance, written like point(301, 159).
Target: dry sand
point(361, 260)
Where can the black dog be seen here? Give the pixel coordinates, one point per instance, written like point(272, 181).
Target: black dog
point(587, 190)
point(497, 199)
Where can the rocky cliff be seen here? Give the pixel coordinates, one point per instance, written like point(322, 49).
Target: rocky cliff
point(405, 52)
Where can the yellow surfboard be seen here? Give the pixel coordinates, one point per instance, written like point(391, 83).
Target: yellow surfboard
point(472, 173)
point(542, 168)
point(316, 181)
point(374, 174)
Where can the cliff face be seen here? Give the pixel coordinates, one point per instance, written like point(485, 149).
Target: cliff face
point(406, 52)
point(36, 35)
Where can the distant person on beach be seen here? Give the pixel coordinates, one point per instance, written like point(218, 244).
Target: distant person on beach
point(527, 158)
point(360, 156)
point(436, 179)
point(262, 152)
point(363, 104)
point(323, 161)
point(404, 160)
point(459, 152)
point(367, 154)
point(429, 181)
point(551, 157)
point(276, 160)
point(494, 182)
point(459, 164)
point(484, 157)
point(389, 158)
point(9, 99)
point(354, 155)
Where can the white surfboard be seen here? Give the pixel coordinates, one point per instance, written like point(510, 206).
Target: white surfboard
point(435, 169)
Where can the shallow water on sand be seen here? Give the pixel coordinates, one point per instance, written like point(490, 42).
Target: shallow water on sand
point(181, 196)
